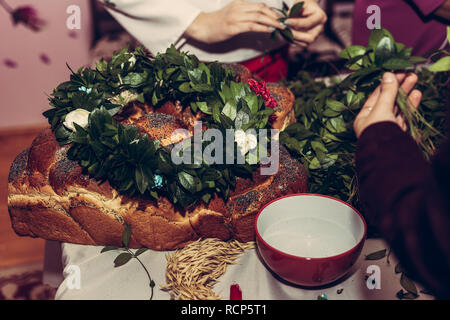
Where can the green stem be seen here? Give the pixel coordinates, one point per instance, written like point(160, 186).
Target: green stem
point(146, 271)
point(416, 113)
point(414, 118)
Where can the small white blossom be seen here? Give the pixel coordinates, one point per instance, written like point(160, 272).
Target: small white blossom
point(245, 141)
point(78, 116)
point(132, 61)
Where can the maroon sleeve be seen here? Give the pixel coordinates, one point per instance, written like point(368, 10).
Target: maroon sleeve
point(428, 6)
point(408, 199)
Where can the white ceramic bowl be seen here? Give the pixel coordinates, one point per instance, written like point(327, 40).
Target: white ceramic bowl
point(309, 239)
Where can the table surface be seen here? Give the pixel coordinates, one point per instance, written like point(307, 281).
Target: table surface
point(100, 280)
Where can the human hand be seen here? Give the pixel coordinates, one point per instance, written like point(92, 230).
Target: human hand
point(309, 23)
point(380, 106)
point(238, 17)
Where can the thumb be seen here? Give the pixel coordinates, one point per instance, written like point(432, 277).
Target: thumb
point(389, 91)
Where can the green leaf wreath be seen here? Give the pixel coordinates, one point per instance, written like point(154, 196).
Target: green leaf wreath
point(120, 154)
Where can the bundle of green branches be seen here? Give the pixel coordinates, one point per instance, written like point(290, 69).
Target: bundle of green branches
point(323, 137)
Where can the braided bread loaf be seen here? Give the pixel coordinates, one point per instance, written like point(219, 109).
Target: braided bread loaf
point(50, 196)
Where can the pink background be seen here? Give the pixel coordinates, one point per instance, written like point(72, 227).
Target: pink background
point(23, 89)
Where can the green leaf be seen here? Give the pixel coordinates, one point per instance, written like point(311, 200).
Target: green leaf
point(448, 34)
point(216, 113)
point(185, 87)
point(296, 8)
point(406, 295)
point(140, 251)
point(203, 106)
point(211, 175)
point(206, 198)
point(336, 105)
point(287, 34)
point(135, 79)
point(195, 75)
point(142, 180)
point(376, 36)
point(122, 259)
point(415, 60)
point(441, 65)
point(126, 236)
point(408, 284)
point(252, 102)
point(187, 181)
point(398, 268)
point(350, 97)
point(396, 64)
point(62, 134)
point(354, 53)
point(109, 248)
point(230, 110)
point(338, 124)
point(318, 146)
point(384, 50)
point(315, 164)
point(376, 255)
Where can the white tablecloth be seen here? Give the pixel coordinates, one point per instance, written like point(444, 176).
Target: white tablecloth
point(100, 280)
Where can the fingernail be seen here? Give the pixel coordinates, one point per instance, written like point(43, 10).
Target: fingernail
point(388, 77)
point(272, 29)
point(287, 22)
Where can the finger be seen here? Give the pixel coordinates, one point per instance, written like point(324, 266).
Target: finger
point(389, 91)
point(261, 8)
point(257, 17)
point(252, 27)
point(415, 97)
point(269, 12)
point(305, 23)
point(373, 98)
point(400, 77)
point(300, 44)
point(358, 125)
point(400, 120)
point(303, 36)
point(409, 82)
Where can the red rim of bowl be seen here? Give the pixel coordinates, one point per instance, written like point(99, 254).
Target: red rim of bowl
point(305, 258)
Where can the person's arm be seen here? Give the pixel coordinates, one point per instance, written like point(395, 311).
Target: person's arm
point(158, 24)
point(238, 17)
point(401, 192)
point(440, 8)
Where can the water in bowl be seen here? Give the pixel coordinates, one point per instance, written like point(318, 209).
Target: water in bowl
point(309, 237)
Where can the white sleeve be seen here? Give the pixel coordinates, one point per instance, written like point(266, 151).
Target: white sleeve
point(155, 23)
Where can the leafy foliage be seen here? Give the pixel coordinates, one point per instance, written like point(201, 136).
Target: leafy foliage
point(323, 136)
point(126, 254)
point(287, 13)
point(110, 151)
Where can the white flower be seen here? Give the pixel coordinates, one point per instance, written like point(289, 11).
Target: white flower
point(245, 141)
point(78, 116)
point(132, 61)
point(124, 97)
